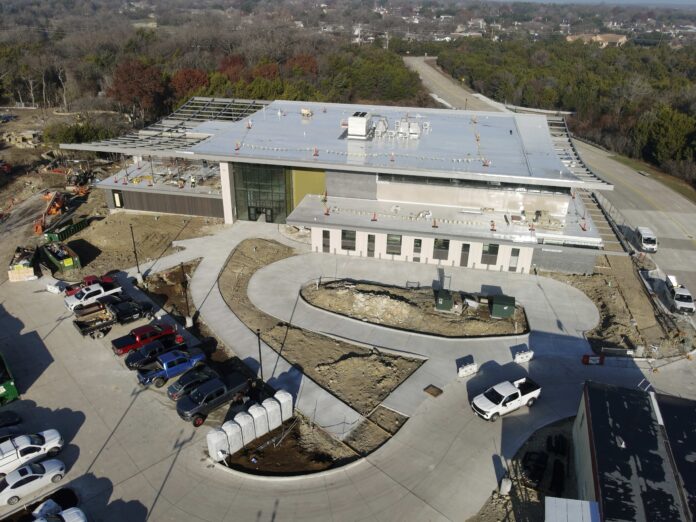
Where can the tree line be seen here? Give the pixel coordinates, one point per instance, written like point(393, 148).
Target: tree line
point(635, 100)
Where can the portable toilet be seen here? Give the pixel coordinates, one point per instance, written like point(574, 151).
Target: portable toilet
point(502, 306)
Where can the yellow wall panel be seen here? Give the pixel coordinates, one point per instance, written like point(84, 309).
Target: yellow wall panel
point(306, 181)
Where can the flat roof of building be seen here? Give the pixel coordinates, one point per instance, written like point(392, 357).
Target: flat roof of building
point(632, 457)
point(505, 147)
point(428, 220)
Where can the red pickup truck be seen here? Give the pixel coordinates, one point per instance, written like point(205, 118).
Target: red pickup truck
point(141, 336)
point(88, 281)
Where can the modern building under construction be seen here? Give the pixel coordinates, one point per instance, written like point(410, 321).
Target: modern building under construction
point(497, 191)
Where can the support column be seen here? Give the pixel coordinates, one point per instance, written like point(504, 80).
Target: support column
point(227, 187)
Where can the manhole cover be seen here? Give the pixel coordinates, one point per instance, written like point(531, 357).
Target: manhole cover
point(432, 390)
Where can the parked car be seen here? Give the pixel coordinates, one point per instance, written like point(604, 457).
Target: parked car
point(98, 325)
point(169, 366)
point(100, 304)
point(211, 395)
point(505, 397)
point(89, 294)
point(67, 515)
point(30, 479)
point(19, 450)
point(189, 381)
point(680, 299)
point(147, 355)
point(88, 281)
point(646, 239)
point(141, 336)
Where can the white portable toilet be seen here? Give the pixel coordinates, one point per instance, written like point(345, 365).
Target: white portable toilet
point(272, 408)
point(285, 400)
point(246, 424)
point(234, 436)
point(258, 413)
point(217, 444)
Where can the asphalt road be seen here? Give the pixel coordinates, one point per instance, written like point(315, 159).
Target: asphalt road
point(644, 201)
point(445, 87)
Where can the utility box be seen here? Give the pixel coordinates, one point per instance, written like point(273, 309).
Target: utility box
point(502, 306)
point(448, 301)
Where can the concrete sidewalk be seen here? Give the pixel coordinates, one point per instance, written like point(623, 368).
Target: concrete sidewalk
point(557, 313)
point(322, 407)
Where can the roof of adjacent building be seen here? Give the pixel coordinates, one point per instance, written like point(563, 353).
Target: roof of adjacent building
point(505, 147)
point(426, 220)
point(636, 474)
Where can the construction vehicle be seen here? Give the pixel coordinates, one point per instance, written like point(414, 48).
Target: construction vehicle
point(56, 202)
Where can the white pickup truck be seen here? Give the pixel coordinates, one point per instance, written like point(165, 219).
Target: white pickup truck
point(680, 299)
point(505, 397)
point(22, 449)
point(89, 294)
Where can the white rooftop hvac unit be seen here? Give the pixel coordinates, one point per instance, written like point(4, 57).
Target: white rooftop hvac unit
point(360, 126)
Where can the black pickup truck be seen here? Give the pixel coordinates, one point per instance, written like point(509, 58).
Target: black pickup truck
point(211, 395)
point(148, 354)
point(97, 325)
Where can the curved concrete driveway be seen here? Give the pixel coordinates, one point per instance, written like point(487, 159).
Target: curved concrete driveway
point(558, 314)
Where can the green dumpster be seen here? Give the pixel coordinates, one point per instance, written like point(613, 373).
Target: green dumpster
point(60, 256)
point(65, 231)
point(502, 306)
point(8, 390)
point(444, 301)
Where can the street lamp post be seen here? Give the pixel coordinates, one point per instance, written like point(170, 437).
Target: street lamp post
point(258, 339)
point(135, 251)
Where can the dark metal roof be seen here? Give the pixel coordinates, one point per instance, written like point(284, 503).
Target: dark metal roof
point(174, 132)
point(634, 469)
point(679, 416)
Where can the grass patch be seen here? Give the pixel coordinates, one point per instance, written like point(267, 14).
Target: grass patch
point(678, 185)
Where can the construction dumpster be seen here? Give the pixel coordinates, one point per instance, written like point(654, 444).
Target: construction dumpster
point(65, 230)
point(60, 257)
point(502, 306)
point(8, 389)
point(22, 265)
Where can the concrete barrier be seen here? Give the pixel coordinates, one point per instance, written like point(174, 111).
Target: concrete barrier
point(246, 424)
point(467, 369)
point(525, 356)
point(272, 407)
point(234, 436)
point(218, 447)
point(258, 413)
point(286, 407)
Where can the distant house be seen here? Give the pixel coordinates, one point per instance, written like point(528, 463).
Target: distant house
point(634, 454)
point(604, 40)
point(477, 23)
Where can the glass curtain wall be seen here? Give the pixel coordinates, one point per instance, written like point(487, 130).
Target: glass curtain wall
point(261, 190)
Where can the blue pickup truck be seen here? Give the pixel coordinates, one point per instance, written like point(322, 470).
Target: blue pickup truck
point(169, 365)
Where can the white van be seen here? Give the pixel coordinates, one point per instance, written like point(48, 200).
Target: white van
point(646, 239)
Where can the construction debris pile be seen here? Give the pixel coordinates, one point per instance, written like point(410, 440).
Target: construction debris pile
point(22, 265)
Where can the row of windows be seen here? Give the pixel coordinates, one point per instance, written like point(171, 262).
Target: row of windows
point(441, 248)
point(467, 183)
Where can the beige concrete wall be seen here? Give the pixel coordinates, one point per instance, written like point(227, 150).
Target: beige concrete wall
point(227, 189)
point(500, 200)
point(583, 457)
point(426, 254)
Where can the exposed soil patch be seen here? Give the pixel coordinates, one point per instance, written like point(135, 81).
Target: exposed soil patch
point(626, 317)
point(295, 448)
point(389, 420)
point(543, 466)
point(107, 240)
point(169, 289)
point(411, 309)
point(359, 376)
point(367, 437)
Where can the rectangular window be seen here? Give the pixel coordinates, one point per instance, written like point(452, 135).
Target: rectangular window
point(348, 239)
point(514, 258)
point(370, 245)
point(490, 254)
point(417, 244)
point(441, 249)
point(464, 259)
point(118, 199)
point(326, 241)
point(393, 244)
